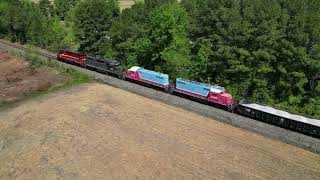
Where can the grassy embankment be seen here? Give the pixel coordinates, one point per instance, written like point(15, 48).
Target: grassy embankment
point(77, 77)
point(71, 76)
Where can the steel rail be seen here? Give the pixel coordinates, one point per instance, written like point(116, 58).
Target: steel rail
point(44, 54)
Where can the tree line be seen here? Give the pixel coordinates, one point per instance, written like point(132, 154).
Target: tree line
point(267, 51)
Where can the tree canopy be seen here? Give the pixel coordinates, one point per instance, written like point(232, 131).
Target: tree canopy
point(263, 50)
point(164, 46)
point(63, 7)
point(93, 20)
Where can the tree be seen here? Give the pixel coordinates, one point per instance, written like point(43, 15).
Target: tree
point(4, 19)
point(64, 6)
point(165, 46)
point(199, 65)
point(126, 29)
point(263, 50)
point(93, 20)
point(46, 8)
point(37, 25)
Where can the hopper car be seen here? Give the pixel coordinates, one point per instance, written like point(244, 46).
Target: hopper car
point(278, 117)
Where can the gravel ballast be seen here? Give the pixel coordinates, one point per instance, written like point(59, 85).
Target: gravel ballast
point(287, 136)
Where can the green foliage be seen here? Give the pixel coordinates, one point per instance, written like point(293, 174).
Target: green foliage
point(155, 39)
point(164, 45)
point(59, 35)
point(92, 22)
point(263, 50)
point(63, 7)
point(125, 30)
point(13, 25)
point(199, 64)
point(28, 22)
point(46, 8)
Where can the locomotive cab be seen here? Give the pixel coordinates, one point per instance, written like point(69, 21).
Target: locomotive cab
point(133, 72)
point(218, 95)
point(72, 57)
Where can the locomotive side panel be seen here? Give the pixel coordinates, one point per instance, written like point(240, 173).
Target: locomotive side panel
point(210, 93)
point(191, 88)
point(96, 64)
point(106, 66)
point(149, 77)
point(70, 56)
point(153, 77)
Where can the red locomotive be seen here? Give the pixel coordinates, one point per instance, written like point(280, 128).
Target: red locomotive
point(72, 57)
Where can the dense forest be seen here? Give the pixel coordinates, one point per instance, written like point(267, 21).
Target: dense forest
point(267, 51)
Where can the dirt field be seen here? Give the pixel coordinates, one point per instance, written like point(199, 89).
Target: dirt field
point(18, 78)
point(125, 3)
point(99, 132)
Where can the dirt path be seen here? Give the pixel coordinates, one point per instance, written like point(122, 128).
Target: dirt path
point(98, 132)
point(125, 4)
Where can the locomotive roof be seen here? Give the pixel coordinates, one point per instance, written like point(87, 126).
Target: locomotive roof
point(134, 68)
point(215, 87)
point(74, 52)
point(104, 59)
point(281, 113)
point(137, 68)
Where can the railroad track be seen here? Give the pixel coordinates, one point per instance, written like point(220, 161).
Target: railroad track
point(48, 55)
point(284, 135)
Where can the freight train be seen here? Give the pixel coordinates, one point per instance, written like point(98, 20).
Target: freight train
point(211, 94)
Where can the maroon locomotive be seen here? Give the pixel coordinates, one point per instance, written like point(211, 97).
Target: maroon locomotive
point(72, 57)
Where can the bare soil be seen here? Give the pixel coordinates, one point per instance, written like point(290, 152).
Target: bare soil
point(99, 132)
point(125, 3)
point(19, 79)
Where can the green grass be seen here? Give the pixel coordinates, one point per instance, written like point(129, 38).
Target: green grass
point(77, 77)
